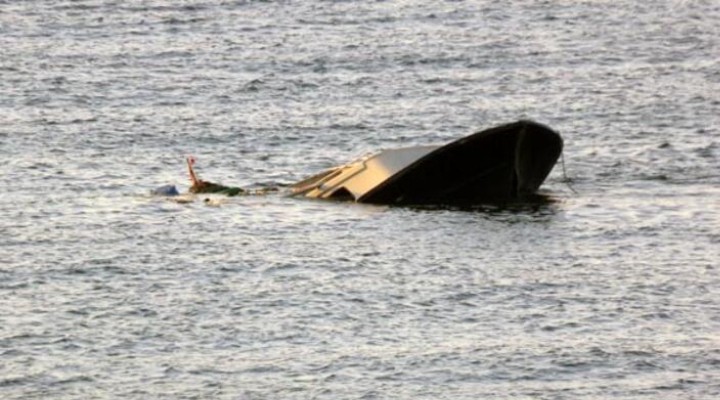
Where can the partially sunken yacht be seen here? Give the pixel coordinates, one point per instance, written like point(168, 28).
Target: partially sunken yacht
point(500, 164)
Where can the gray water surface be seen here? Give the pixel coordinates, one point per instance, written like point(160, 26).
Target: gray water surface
point(610, 291)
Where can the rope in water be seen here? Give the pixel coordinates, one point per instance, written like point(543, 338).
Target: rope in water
point(566, 179)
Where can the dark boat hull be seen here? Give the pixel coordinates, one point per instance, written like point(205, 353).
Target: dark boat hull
point(504, 163)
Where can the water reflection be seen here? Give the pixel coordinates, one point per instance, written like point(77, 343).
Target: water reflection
point(536, 205)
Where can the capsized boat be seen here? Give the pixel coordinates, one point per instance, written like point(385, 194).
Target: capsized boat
point(504, 163)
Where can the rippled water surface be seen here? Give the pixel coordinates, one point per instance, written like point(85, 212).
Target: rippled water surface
point(610, 291)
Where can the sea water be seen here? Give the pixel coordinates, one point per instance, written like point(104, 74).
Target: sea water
point(610, 291)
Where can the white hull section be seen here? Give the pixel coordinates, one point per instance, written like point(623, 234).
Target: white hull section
point(359, 177)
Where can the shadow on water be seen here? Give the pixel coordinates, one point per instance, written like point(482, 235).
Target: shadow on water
point(539, 205)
